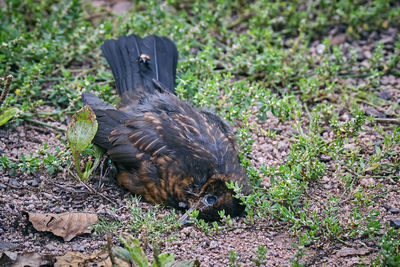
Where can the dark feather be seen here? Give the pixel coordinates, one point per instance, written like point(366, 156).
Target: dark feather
point(122, 56)
point(165, 149)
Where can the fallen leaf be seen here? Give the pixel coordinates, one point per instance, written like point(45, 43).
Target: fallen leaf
point(66, 225)
point(79, 259)
point(29, 259)
point(7, 257)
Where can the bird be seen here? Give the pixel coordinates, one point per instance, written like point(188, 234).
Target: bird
point(165, 149)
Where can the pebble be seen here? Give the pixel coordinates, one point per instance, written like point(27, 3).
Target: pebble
point(320, 48)
point(367, 182)
point(283, 145)
point(394, 210)
point(50, 247)
point(34, 183)
point(120, 8)
point(13, 182)
point(395, 224)
point(77, 247)
point(213, 244)
point(385, 94)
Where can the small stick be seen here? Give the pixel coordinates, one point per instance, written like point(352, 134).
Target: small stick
point(109, 249)
point(386, 120)
point(6, 88)
point(44, 124)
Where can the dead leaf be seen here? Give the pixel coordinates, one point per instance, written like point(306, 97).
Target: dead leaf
point(29, 259)
point(75, 259)
point(66, 225)
point(7, 257)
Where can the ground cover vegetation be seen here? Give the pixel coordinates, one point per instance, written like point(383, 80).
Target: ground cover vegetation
point(312, 89)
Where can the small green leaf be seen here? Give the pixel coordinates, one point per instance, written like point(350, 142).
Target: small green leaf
point(7, 115)
point(138, 254)
point(80, 133)
point(123, 254)
point(82, 129)
point(164, 259)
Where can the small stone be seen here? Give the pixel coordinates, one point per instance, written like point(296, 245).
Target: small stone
point(57, 210)
point(367, 182)
point(34, 183)
point(394, 210)
point(50, 247)
point(370, 111)
point(385, 94)
point(77, 247)
point(367, 54)
point(13, 182)
point(327, 186)
point(350, 147)
point(274, 253)
point(338, 39)
point(325, 158)
point(213, 244)
point(120, 8)
point(395, 224)
point(320, 48)
point(283, 145)
point(98, 3)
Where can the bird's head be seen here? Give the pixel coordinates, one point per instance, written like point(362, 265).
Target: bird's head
point(215, 196)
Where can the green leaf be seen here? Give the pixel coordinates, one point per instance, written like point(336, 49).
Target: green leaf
point(7, 115)
point(80, 133)
point(81, 129)
point(164, 259)
point(138, 254)
point(123, 254)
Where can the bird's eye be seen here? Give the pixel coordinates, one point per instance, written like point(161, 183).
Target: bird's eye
point(210, 199)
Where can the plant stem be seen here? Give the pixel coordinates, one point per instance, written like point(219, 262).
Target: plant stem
point(77, 165)
point(43, 124)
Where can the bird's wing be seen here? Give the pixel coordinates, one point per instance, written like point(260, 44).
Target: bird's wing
point(198, 142)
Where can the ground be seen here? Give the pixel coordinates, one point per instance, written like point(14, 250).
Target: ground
point(313, 96)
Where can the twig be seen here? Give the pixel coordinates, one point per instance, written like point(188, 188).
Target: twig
point(44, 124)
point(95, 192)
point(241, 18)
point(6, 88)
point(109, 249)
point(387, 120)
point(156, 254)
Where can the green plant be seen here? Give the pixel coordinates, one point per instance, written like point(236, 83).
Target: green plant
point(81, 130)
point(133, 253)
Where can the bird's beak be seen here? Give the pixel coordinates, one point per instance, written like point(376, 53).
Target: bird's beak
point(199, 205)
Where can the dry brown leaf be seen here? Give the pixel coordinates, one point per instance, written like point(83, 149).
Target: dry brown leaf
point(29, 259)
point(66, 225)
point(75, 259)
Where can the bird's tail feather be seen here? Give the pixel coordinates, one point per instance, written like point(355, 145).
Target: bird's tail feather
point(135, 62)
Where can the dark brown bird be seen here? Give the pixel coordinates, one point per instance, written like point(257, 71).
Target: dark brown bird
point(165, 149)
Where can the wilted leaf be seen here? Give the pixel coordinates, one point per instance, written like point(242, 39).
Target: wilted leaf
point(30, 259)
point(79, 259)
point(81, 129)
point(7, 115)
point(7, 257)
point(66, 225)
